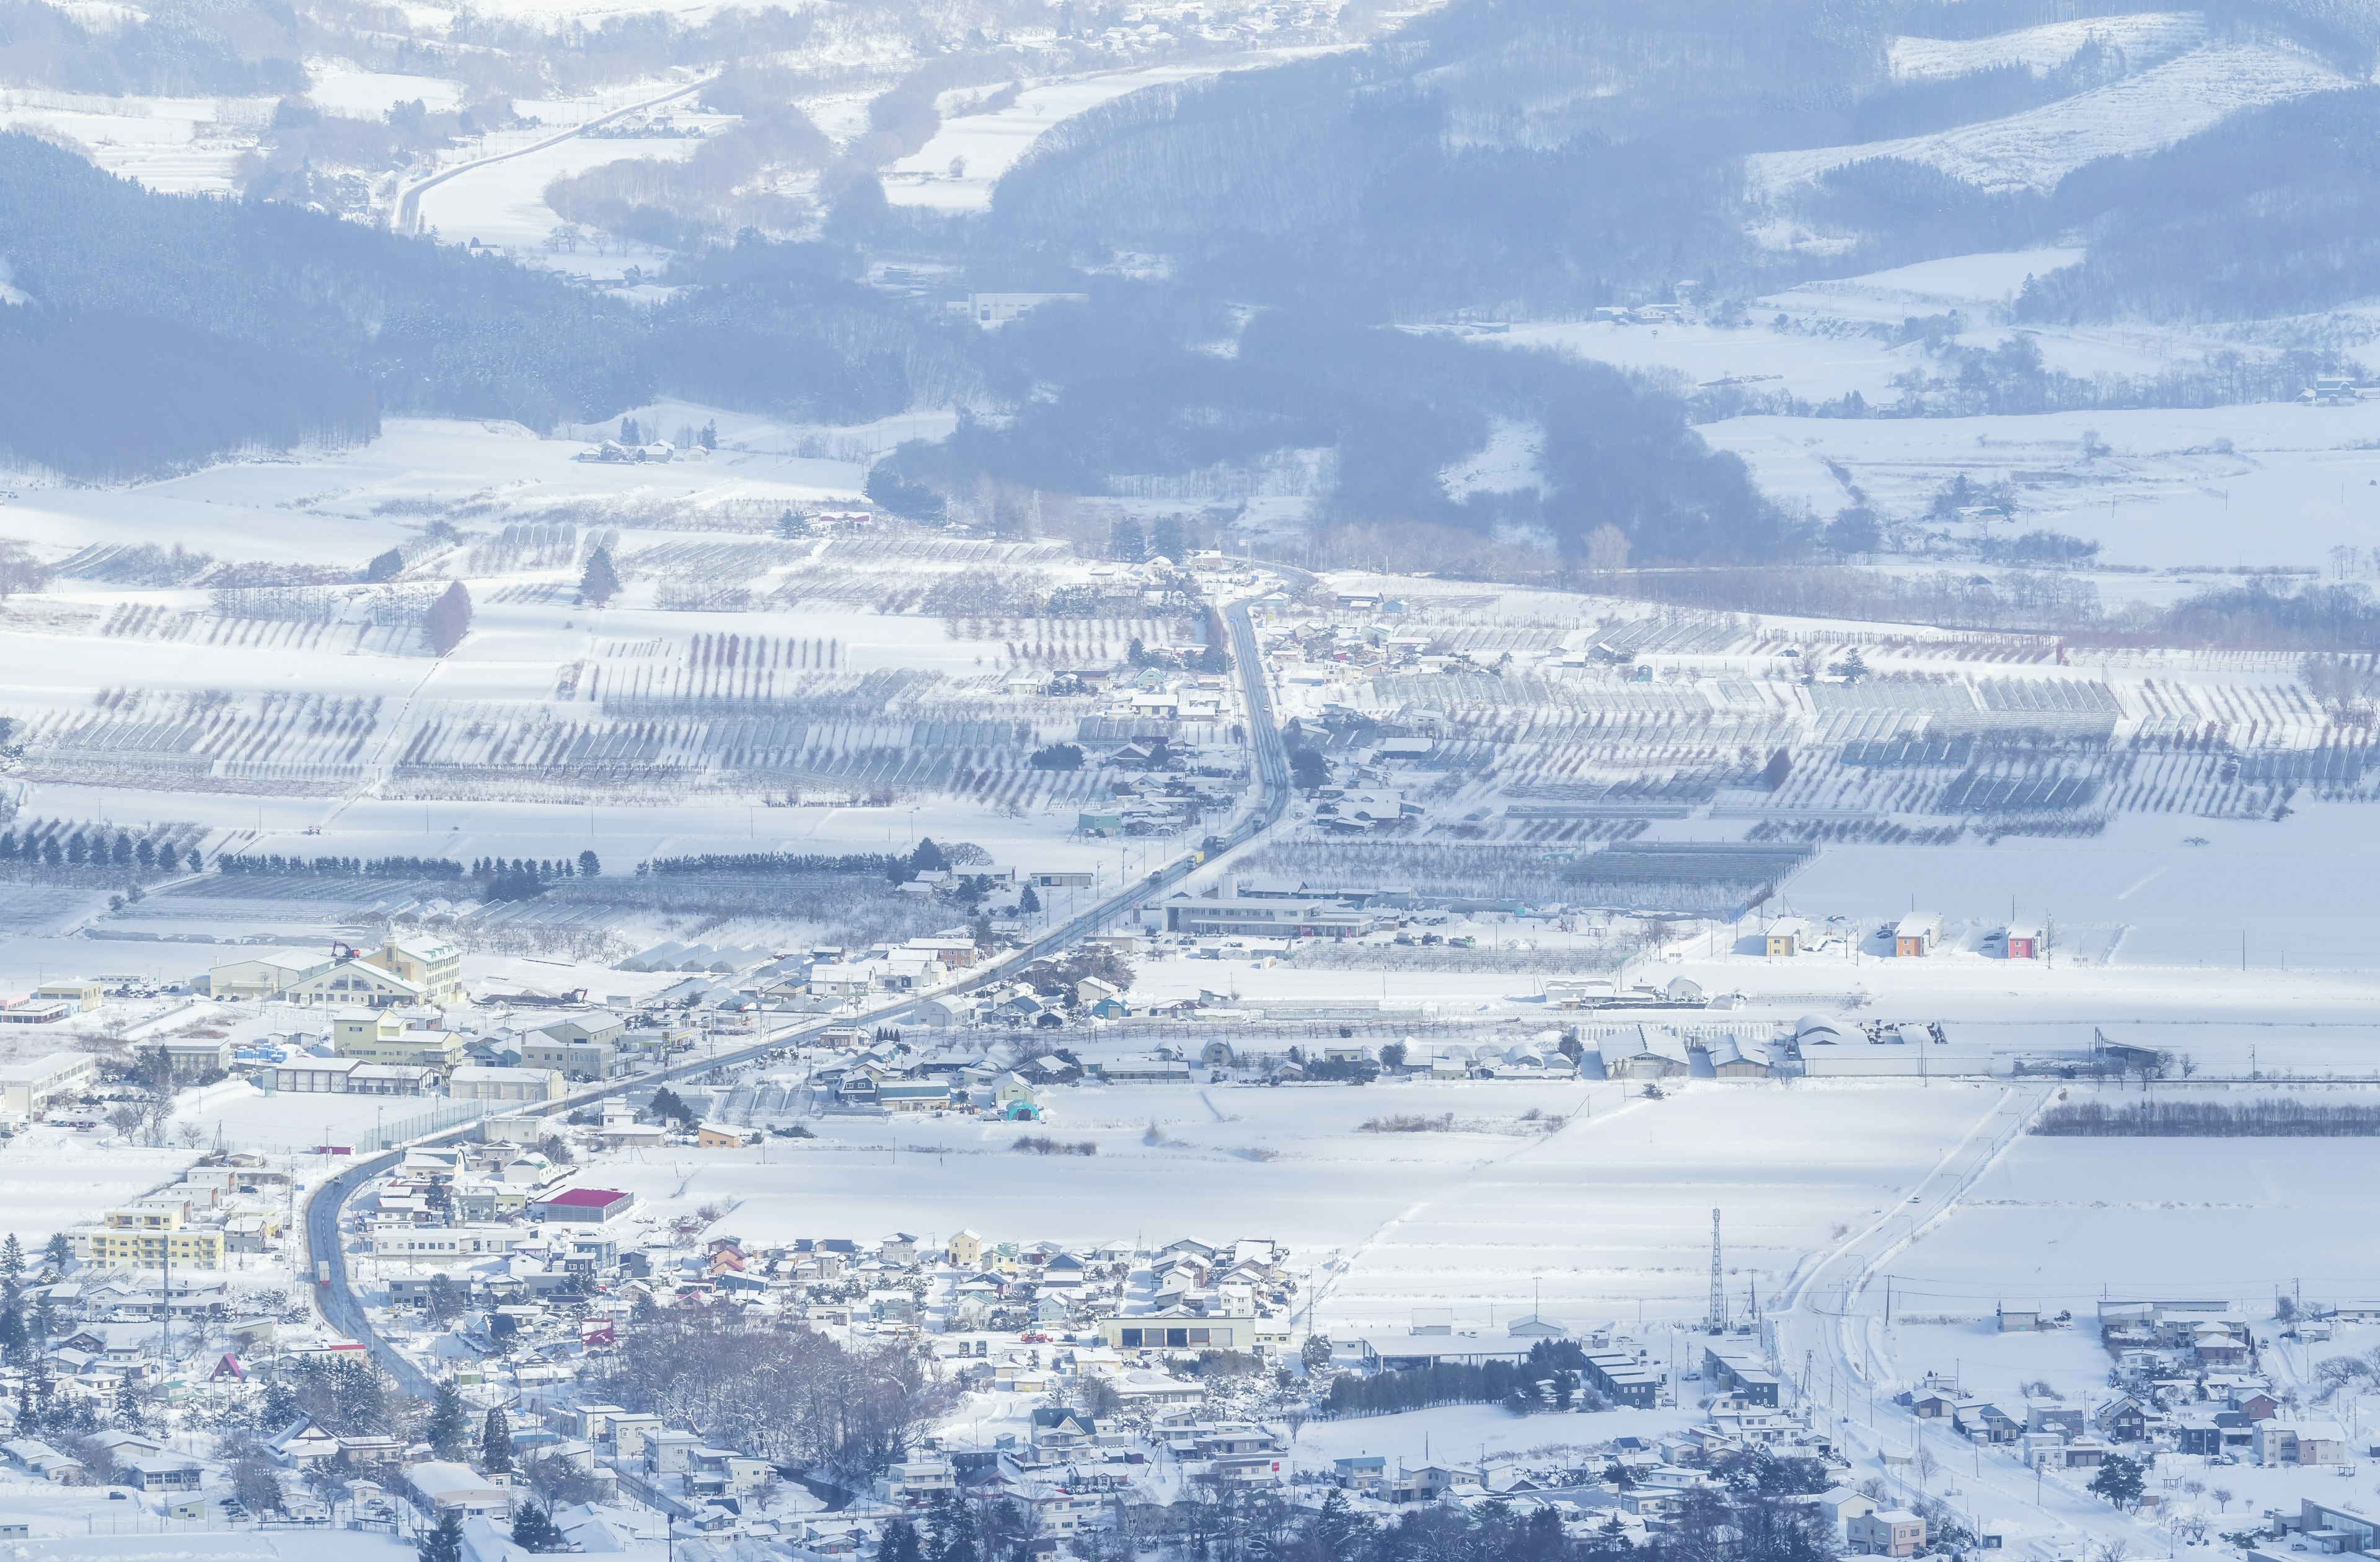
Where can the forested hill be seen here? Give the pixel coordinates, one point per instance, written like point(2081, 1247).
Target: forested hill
point(161, 331)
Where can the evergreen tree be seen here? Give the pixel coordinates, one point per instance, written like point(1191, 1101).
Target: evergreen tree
point(12, 1261)
point(590, 865)
point(387, 566)
point(496, 1444)
point(1028, 902)
point(449, 1429)
point(12, 1331)
point(601, 582)
point(899, 1543)
point(534, 1530)
point(2119, 1481)
point(950, 1527)
point(443, 1543)
point(1165, 540)
point(449, 619)
point(1126, 541)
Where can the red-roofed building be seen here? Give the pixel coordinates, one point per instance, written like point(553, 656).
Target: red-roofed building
point(589, 1205)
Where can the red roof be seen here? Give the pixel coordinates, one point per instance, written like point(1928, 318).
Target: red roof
point(588, 1198)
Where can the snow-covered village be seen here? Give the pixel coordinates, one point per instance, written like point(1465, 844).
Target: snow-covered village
point(1046, 781)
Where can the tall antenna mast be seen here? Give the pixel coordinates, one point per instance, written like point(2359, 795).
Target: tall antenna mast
point(1718, 1322)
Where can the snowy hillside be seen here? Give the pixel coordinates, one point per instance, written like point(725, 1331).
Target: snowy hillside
point(2034, 149)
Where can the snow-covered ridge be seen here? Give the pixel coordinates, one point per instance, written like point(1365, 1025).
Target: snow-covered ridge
point(2043, 49)
point(2036, 148)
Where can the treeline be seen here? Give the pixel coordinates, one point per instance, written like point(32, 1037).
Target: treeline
point(346, 867)
point(2208, 1119)
point(1549, 1378)
point(898, 866)
point(773, 1388)
point(2253, 616)
point(94, 848)
point(2274, 212)
point(773, 865)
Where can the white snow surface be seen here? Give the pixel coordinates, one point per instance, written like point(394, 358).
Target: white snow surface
point(2044, 48)
point(989, 145)
point(369, 95)
point(2035, 150)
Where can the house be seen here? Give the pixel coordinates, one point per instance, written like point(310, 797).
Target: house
point(2309, 1443)
point(2022, 941)
point(1917, 934)
point(1980, 1421)
point(2018, 1317)
point(587, 1205)
point(1363, 1473)
point(1841, 1504)
point(27, 1088)
point(1892, 1531)
point(162, 1472)
point(443, 1487)
point(302, 1442)
point(472, 1082)
point(2121, 1420)
point(1787, 936)
point(1060, 1429)
point(37, 1459)
point(914, 1483)
point(721, 1136)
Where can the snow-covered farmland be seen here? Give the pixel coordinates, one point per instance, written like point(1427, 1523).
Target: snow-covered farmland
point(2037, 147)
point(957, 169)
point(2144, 35)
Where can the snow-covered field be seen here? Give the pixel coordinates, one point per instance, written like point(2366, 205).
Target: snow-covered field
point(175, 145)
point(2044, 48)
point(2036, 149)
point(51, 1177)
point(957, 169)
point(2274, 483)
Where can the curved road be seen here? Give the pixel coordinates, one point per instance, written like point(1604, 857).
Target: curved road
point(326, 1207)
point(409, 205)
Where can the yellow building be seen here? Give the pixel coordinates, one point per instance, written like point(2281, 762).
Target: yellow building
point(144, 1236)
point(966, 1249)
point(380, 1036)
point(433, 965)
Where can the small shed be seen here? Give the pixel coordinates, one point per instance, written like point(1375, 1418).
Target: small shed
point(1787, 936)
point(2022, 941)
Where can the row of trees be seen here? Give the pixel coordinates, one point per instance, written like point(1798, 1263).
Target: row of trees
point(93, 849)
point(343, 867)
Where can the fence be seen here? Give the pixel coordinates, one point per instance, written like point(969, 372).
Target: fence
point(386, 1134)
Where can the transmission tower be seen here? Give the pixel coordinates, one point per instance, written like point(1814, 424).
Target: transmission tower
point(1717, 1323)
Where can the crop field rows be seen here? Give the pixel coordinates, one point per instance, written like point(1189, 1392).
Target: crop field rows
point(155, 622)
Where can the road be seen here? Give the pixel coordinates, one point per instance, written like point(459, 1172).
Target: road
point(409, 205)
point(1832, 1335)
point(325, 1209)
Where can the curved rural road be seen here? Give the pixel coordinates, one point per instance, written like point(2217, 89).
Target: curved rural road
point(409, 205)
